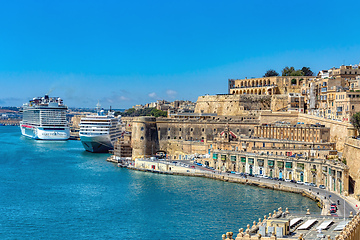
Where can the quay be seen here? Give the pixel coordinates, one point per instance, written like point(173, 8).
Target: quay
point(323, 197)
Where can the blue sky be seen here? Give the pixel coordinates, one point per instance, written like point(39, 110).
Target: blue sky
point(133, 52)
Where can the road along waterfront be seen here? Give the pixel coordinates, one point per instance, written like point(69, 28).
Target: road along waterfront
point(56, 190)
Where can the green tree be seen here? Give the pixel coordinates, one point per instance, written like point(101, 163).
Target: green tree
point(287, 71)
point(158, 113)
point(130, 111)
point(297, 73)
point(355, 120)
point(307, 71)
point(271, 73)
point(290, 71)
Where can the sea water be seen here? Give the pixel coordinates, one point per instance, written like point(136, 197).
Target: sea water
point(56, 190)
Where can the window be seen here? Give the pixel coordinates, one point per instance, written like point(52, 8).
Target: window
point(142, 128)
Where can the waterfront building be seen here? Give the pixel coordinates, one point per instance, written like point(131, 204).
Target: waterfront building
point(122, 147)
point(333, 174)
point(315, 133)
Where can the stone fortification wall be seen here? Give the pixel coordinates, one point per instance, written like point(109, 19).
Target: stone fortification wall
point(231, 105)
point(203, 130)
point(279, 102)
point(181, 136)
point(174, 148)
point(351, 154)
point(144, 139)
point(339, 131)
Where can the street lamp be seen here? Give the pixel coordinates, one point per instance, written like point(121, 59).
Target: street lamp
point(344, 207)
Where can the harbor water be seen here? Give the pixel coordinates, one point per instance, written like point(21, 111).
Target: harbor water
point(56, 190)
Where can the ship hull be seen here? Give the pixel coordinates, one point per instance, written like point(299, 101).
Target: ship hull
point(97, 144)
point(40, 133)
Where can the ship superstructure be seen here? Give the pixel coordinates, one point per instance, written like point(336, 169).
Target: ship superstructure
point(99, 132)
point(44, 118)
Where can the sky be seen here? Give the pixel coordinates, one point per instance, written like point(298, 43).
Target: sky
point(124, 53)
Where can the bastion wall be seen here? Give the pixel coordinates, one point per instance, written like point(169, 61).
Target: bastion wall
point(339, 131)
point(231, 105)
point(352, 156)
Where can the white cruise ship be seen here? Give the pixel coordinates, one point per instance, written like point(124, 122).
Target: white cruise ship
point(99, 132)
point(45, 119)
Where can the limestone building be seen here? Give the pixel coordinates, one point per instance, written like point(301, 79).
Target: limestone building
point(267, 85)
point(332, 174)
point(315, 133)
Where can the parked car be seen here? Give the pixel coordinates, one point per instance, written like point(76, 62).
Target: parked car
point(333, 209)
point(307, 183)
point(313, 184)
point(293, 181)
point(266, 177)
point(275, 178)
point(322, 186)
point(300, 182)
point(232, 172)
point(287, 180)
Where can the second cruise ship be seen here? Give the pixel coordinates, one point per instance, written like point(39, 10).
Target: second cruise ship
point(99, 132)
